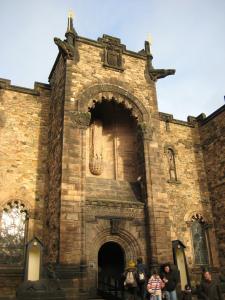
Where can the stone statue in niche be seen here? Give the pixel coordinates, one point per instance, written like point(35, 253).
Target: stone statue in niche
point(96, 149)
point(171, 162)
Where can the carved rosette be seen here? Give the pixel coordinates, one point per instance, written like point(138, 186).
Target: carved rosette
point(80, 119)
point(146, 131)
point(96, 153)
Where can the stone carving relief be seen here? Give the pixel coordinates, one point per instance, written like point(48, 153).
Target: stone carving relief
point(80, 119)
point(113, 52)
point(114, 226)
point(96, 148)
point(146, 131)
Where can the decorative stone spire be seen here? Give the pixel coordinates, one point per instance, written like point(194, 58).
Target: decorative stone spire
point(67, 47)
point(148, 53)
point(155, 74)
point(71, 32)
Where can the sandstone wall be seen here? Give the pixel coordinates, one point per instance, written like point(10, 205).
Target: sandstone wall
point(189, 194)
point(87, 81)
point(55, 139)
point(23, 172)
point(212, 132)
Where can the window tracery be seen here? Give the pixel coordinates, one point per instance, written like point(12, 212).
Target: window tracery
point(12, 233)
point(199, 237)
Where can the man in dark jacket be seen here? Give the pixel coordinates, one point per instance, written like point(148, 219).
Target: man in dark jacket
point(170, 278)
point(209, 289)
point(141, 278)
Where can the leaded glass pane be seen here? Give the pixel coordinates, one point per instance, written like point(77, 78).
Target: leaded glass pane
point(199, 243)
point(12, 234)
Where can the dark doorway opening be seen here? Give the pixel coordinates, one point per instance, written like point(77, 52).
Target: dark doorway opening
point(111, 259)
point(110, 269)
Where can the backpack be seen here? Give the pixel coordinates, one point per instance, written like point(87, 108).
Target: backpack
point(129, 278)
point(141, 276)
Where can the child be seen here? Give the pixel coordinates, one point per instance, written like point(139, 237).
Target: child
point(187, 293)
point(154, 287)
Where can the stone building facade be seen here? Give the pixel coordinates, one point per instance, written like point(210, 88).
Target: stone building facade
point(101, 177)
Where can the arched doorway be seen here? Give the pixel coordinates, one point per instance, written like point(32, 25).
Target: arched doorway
point(111, 264)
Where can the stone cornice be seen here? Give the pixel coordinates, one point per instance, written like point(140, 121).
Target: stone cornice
point(140, 54)
point(110, 203)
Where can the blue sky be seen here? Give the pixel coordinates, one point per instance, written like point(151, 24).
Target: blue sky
point(188, 35)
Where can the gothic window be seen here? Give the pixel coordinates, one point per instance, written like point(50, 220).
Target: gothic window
point(171, 164)
point(12, 233)
point(198, 228)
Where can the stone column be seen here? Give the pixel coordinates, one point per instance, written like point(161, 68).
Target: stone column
point(157, 211)
point(72, 235)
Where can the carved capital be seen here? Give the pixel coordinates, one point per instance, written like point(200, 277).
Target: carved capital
point(146, 131)
point(80, 119)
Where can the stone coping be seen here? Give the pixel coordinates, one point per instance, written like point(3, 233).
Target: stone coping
point(6, 85)
point(192, 121)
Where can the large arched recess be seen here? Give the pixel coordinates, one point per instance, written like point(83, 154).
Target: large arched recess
point(99, 92)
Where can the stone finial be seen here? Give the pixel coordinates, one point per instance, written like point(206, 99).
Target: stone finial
point(71, 32)
point(67, 47)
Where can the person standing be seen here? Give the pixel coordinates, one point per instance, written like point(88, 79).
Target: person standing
point(170, 278)
point(141, 278)
point(155, 286)
point(130, 282)
point(209, 289)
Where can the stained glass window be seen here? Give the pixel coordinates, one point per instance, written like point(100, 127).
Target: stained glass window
point(199, 243)
point(12, 233)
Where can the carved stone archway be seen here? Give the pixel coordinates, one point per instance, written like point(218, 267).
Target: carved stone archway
point(126, 241)
point(100, 92)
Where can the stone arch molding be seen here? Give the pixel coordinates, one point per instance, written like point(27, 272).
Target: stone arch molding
point(127, 242)
point(23, 201)
point(194, 213)
point(100, 92)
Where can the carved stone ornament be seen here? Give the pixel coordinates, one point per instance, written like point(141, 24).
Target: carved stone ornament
point(96, 149)
point(156, 74)
point(67, 50)
point(113, 52)
point(114, 226)
point(80, 119)
point(146, 131)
